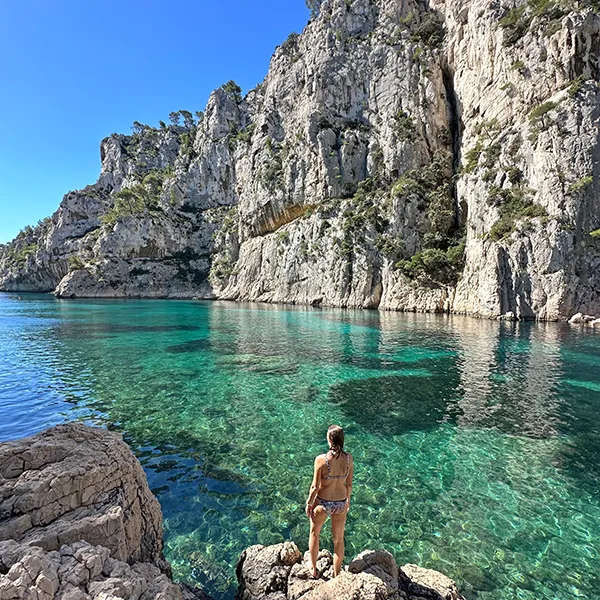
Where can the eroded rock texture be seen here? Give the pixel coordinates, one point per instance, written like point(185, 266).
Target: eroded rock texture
point(397, 156)
point(78, 521)
point(73, 483)
point(78, 572)
point(279, 573)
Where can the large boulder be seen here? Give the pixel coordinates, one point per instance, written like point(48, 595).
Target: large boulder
point(73, 483)
point(79, 522)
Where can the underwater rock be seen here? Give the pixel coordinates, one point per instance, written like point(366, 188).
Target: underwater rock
point(263, 573)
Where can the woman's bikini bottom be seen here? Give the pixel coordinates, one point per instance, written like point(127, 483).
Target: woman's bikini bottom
point(333, 507)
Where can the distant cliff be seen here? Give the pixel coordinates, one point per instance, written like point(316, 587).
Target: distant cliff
point(397, 156)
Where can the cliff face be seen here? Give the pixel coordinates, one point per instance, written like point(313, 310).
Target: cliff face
point(396, 156)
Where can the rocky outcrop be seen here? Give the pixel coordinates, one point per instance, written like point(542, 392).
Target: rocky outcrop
point(397, 156)
point(78, 572)
point(78, 521)
point(279, 573)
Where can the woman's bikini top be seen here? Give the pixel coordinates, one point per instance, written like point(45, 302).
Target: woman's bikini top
point(330, 476)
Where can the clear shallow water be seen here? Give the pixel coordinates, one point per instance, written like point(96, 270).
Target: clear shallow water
point(477, 444)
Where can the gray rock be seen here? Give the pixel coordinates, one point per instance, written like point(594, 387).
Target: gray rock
point(369, 143)
point(73, 483)
point(263, 572)
point(78, 521)
point(379, 563)
point(76, 573)
point(428, 583)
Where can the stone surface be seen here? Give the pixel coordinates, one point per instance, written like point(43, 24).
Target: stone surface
point(384, 130)
point(279, 572)
point(78, 572)
point(428, 583)
point(73, 483)
point(78, 520)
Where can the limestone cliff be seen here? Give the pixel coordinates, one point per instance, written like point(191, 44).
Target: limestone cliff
point(398, 155)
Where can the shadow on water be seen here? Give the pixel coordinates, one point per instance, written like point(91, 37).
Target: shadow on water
point(189, 347)
point(393, 405)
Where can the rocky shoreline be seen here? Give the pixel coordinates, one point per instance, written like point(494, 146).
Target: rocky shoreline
point(79, 522)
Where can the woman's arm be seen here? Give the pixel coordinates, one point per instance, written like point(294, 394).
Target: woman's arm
point(314, 488)
point(349, 483)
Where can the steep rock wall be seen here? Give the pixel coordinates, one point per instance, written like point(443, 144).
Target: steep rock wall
point(397, 156)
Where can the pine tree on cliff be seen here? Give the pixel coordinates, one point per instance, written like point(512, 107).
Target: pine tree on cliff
point(314, 6)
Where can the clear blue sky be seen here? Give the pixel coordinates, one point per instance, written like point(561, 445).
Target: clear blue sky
point(75, 71)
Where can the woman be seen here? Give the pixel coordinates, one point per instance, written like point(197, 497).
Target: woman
point(330, 496)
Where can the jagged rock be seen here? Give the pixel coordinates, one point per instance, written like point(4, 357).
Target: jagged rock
point(79, 522)
point(278, 573)
point(73, 483)
point(346, 586)
point(379, 563)
point(595, 323)
point(576, 319)
point(78, 572)
point(265, 570)
point(380, 135)
point(428, 583)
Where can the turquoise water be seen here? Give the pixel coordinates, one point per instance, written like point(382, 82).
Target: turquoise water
point(477, 443)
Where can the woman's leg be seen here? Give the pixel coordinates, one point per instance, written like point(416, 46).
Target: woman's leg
point(338, 524)
point(313, 539)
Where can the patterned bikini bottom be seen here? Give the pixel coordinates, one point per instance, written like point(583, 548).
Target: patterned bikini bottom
point(333, 507)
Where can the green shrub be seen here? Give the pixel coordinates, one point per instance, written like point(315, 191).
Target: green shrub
point(75, 263)
point(519, 66)
point(576, 86)
point(472, 157)
point(580, 185)
point(595, 233)
point(290, 45)
point(17, 254)
point(314, 6)
point(140, 198)
point(539, 119)
point(233, 90)
point(404, 127)
point(514, 204)
point(272, 174)
point(442, 266)
point(518, 20)
point(430, 31)
point(390, 246)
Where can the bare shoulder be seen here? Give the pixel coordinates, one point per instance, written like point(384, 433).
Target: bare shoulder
point(320, 460)
point(350, 459)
